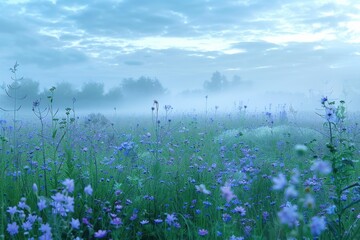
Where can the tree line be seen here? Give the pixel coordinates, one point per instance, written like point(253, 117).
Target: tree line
point(93, 94)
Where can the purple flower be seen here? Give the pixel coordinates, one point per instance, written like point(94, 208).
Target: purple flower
point(207, 203)
point(343, 197)
point(75, 223)
point(317, 225)
point(126, 147)
point(240, 210)
point(279, 182)
point(247, 231)
point(289, 215)
point(331, 210)
point(144, 222)
point(32, 218)
point(323, 167)
point(170, 218)
point(116, 221)
point(227, 193)
point(41, 204)
point(133, 216)
point(100, 234)
point(46, 236)
point(12, 210)
point(290, 192)
point(35, 188)
point(324, 100)
point(157, 221)
point(69, 185)
point(176, 225)
point(62, 204)
point(45, 228)
point(265, 215)
point(88, 190)
point(58, 197)
point(12, 228)
point(86, 221)
point(22, 204)
point(27, 226)
point(226, 217)
point(233, 237)
point(203, 232)
point(330, 115)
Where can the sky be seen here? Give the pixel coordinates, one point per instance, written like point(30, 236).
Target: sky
point(293, 46)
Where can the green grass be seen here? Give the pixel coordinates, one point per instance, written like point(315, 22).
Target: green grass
point(153, 179)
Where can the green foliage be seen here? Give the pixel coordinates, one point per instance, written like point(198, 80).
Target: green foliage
point(146, 169)
point(341, 154)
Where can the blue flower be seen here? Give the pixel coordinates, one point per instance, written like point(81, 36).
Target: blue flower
point(27, 226)
point(75, 223)
point(324, 100)
point(317, 225)
point(69, 185)
point(88, 190)
point(203, 232)
point(289, 215)
point(12, 228)
point(100, 234)
point(279, 182)
point(12, 210)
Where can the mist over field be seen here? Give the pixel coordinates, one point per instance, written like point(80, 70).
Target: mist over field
point(218, 94)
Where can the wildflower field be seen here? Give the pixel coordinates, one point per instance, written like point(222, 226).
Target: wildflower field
point(239, 175)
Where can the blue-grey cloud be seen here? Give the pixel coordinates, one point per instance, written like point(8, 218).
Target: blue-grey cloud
point(133, 63)
point(183, 42)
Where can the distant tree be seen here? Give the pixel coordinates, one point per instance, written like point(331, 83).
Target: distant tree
point(217, 83)
point(64, 94)
point(236, 81)
point(91, 94)
point(114, 95)
point(29, 88)
point(66, 91)
point(143, 87)
point(92, 89)
point(26, 90)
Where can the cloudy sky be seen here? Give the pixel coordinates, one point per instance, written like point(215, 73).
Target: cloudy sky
point(278, 45)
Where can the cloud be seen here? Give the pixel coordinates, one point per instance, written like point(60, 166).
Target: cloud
point(162, 38)
point(133, 63)
point(50, 58)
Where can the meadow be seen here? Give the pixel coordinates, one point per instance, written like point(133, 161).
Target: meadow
point(165, 175)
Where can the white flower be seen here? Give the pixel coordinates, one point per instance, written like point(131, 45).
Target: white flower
point(279, 182)
point(201, 188)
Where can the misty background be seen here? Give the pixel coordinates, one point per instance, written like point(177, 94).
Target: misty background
point(218, 93)
point(122, 54)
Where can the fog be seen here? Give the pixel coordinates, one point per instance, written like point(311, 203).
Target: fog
point(117, 57)
point(218, 95)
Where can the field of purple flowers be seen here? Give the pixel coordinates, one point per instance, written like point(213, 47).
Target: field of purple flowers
point(192, 176)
